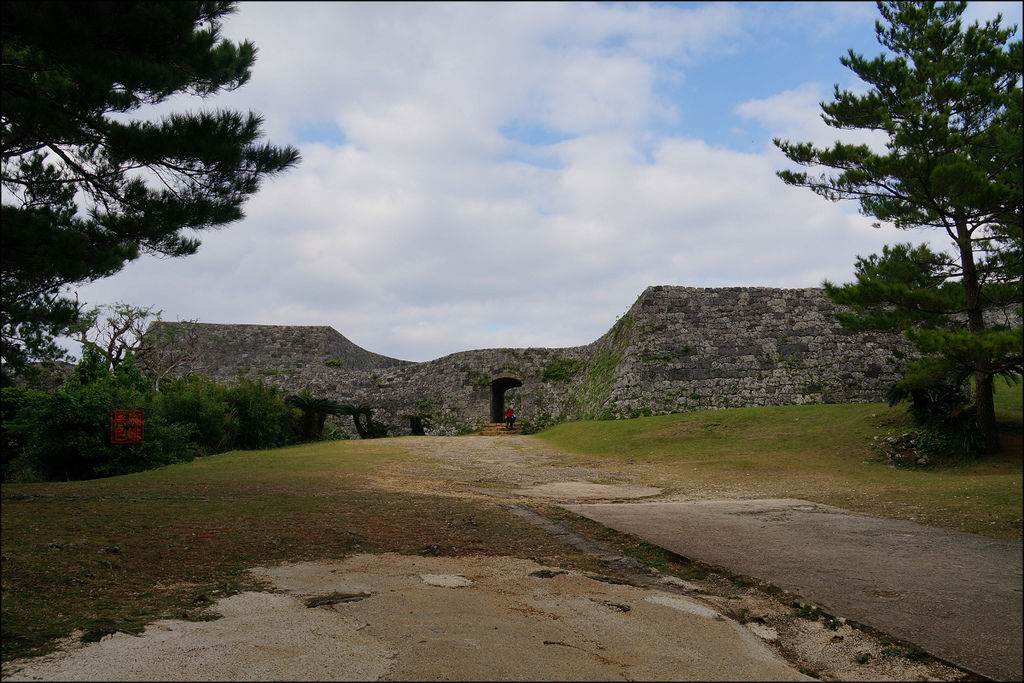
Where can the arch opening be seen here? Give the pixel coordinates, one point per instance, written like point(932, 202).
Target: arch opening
point(498, 388)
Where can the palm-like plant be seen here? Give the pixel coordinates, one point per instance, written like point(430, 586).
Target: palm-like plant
point(314, 412)
point(366, 426)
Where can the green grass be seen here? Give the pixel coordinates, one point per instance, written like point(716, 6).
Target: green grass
point(314, 462)
point(1009, 399)
point(823, 453)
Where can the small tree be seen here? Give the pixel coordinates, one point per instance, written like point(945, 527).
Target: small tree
point(166, 348)
point(949, 100)
point(314, 412)
point(262, 417)
point(366, 426)
point(114, 330)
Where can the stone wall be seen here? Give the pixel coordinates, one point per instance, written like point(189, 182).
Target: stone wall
point(719, 348)
point(676, 349)
point(230, 349)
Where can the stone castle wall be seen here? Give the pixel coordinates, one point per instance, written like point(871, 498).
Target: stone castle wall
point(676, 349)
point(230, 349)
point(730, 347)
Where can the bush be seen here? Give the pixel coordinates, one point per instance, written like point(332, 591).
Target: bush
point(249, 415)
point(66, 434)
point(201, 408)
point(262, 417)
point(942, 408)
point(18, 408)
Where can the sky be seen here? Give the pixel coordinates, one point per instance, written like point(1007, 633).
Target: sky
point(481, 175)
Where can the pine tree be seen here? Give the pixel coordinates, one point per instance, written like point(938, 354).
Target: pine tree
point(949, 100)
point(88, 189)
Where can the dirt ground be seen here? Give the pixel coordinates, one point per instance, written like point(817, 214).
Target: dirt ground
point(391, 617)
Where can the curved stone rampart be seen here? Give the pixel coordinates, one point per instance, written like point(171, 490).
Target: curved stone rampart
point(230, 349)
point(676, 349)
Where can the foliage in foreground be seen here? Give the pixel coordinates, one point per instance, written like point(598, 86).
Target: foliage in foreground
point(65, 434)
point(948, 99)
point(87, 188)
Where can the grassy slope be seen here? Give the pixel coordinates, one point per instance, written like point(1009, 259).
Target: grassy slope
point(820, 453)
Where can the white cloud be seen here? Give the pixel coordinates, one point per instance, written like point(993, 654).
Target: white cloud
point(987, 11)
point(796, 115)
point(428, 232)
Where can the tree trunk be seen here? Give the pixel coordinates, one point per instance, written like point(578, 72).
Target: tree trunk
point(983, 384)
point(984, 401)
point(360, 429)
point(308, 418)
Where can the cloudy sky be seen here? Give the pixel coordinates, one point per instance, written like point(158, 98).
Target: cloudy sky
point(512, 175)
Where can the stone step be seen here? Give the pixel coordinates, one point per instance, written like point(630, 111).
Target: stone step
point(498, 429)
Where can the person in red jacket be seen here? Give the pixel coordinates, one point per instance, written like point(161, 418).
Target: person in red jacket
point(510, 417)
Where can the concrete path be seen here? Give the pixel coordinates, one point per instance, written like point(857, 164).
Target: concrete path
point(956, 595)
point(407, 618)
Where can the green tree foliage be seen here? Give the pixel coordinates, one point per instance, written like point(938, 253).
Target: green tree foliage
point(944, 404)
point(949, 101)
point(66, 434)
point(203, 407)
point(87, 188)
point(264, 419)
point(248, 415)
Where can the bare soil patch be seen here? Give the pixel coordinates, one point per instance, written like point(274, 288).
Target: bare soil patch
point(507, 468)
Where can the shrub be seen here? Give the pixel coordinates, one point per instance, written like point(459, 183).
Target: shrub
point(201, 408)
point(942, 406)
point(249, 415)
point(562, 370)
point(263, 419)
point(19, 408)
point(314, 412)
point(66, 435)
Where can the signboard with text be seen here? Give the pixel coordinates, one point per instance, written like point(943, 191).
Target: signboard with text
point(127, 426)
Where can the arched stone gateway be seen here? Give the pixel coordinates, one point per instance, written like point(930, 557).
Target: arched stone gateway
point(498, 388)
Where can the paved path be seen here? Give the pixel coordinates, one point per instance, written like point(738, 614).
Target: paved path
point(956, 595)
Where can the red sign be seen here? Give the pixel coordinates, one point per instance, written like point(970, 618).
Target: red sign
point(127, 426)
